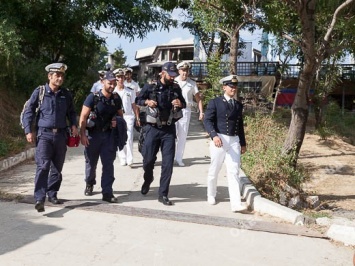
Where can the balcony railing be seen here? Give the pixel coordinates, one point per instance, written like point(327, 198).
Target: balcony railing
point(292, 71)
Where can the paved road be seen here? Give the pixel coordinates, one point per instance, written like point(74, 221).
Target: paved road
point(141, 231)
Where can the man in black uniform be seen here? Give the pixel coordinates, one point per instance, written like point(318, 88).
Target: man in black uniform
point(101, 108)
point(56, 107)
point(163, 100)
point(224, 123)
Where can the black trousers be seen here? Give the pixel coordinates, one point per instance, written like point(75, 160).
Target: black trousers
point(156, 138)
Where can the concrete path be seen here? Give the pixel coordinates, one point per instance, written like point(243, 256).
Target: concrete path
point(141, 231)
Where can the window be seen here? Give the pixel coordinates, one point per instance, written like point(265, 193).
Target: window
point(163, 55)
point(174, 54)
point(186, 54)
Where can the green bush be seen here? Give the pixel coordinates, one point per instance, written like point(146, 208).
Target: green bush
point(3, 148)
point(336, 123)
point(215, 73)
point(263, 162)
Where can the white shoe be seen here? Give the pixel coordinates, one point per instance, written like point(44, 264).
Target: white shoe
point(130, 164)
point(180, 163)
point(241, 208)
point(211, 200)
point(122, 163)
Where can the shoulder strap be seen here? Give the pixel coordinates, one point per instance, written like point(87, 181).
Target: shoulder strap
point(96, 99)
point(116, 96)
point(154, 92)
point(40, 97)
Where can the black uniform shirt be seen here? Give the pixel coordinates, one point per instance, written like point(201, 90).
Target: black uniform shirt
point(106, 108)
point(164, 95)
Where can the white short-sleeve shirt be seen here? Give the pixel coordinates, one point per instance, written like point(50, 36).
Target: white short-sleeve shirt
point(128, 97)
point(188, 88)
point(133, 85)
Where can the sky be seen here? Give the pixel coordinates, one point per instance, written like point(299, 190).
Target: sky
point(160, 37)
point(165, 37)
point(153, 39)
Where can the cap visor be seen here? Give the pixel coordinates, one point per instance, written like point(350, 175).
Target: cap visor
point(172, 74)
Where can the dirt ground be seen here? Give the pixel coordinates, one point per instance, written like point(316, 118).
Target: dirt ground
point(331, 164)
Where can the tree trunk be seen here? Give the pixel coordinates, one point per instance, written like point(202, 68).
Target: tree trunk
point(275, 99)
point(299, 114)
point(234, 51)
point(222, 45)
point(317, 116)
point(299, 110)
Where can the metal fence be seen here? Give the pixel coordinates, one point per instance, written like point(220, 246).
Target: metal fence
point(291, 71)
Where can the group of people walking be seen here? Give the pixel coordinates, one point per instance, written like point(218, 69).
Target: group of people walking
point(108, 116)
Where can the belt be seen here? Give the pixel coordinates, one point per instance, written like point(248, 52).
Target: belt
point(162, 123)
point(53, 130)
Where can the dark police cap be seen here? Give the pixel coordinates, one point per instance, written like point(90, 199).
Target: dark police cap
point(109, 76)
point(56, 67)
point(170, 68)
point(232, 79)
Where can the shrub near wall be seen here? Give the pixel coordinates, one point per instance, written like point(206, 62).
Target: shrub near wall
point(263, 163)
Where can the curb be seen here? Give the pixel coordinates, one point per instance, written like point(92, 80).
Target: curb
point(342, 233)
point(18, 158)
point(340, 229)
point(262, 205)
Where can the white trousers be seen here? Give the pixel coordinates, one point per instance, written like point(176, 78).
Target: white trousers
point(126, 154)
point(182, 128)
point(230, 154)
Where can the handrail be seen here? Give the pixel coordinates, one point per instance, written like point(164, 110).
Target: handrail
point(291, 71)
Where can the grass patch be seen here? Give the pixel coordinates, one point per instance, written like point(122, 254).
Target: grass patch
point(315, 214)
point(10, 146)
point(264, 163)
point(336, 123)
point(10, 196)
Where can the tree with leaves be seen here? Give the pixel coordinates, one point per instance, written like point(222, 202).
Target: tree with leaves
point(224, 19)
point(320, 28)
point(64, 30)
point(119, 58)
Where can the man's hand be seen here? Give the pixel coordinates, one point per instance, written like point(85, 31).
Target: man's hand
point(243, 149)
point(151, 103)
point(217, 141)
point(74, 131)
point(30, 138)
point(84, 140)
point(176, 103)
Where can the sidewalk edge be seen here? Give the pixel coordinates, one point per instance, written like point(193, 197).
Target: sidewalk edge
point(16, 159)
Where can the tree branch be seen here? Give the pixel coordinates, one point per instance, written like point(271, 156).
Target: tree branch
point(225, 32)
point(288, 37)
point(335, 16)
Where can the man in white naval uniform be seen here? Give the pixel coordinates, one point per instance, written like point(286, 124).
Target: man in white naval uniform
point(97, 86)
point(129, 108)
point(224, 123)
point(129, 82)
point(189, 90)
